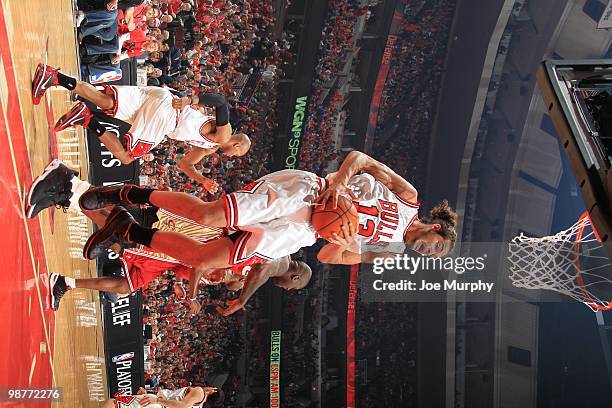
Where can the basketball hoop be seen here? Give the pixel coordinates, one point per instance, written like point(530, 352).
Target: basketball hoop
point(571, 262)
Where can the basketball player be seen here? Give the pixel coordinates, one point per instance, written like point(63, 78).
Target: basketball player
point(287, 274)
point(187, 397)
point(273, 215)
point(136, 119)
point(140, 265)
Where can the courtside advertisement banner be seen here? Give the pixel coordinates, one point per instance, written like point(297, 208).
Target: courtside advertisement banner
point(275, 362)
point(275, 368)
point(124, 347)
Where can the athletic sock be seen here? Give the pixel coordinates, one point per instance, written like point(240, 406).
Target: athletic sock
point(70, 281)
point(96, 126)
point(141, 235)
point(139, 195)
point(66, 81)
point(78, 188)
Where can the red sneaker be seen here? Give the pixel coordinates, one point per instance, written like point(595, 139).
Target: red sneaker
point(78, 115)
point(44, 78)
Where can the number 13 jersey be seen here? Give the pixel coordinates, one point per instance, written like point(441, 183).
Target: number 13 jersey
point(384, 217)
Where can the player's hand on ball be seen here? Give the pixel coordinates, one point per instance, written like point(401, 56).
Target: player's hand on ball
point(346, 237)
point(333, 192)
point(210, 185)
point(148, 400)
point(233, 306)
point(194, 307)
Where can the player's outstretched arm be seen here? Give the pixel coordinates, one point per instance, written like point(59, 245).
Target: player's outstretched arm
point(334, 254)
point(337, 255)
point(255, 279)
point(357, 162)
point(187, 165)
point(194, 282)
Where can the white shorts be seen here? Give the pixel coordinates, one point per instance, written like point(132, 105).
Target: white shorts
point(274, 215)
point(149, 110)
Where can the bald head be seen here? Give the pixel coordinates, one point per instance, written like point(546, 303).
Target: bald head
point(238, 145)
point(297, 276)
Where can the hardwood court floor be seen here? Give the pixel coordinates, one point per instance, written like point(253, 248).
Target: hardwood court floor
point(40, 348)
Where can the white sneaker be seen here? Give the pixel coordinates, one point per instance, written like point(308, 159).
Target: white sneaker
point(79, 18)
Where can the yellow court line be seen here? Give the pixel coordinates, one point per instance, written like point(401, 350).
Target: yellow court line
point(32, 366)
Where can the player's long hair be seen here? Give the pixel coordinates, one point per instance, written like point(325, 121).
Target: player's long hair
point(444, 215)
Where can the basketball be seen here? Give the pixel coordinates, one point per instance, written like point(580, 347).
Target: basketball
point(328, 220)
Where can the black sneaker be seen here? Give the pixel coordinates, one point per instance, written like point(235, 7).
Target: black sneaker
point(57, 289)
point(113, 232)
point(52, 187)
point(100, 197)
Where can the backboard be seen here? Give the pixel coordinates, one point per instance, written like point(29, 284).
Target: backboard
point(578, 96)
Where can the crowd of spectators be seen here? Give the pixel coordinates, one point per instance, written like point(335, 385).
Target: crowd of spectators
point(202, 46)
point(326, 100)
point(301, 343)
point(192, 45)
point(386, 338)
point(184, 348)
point(258, 347)
point(413, 84)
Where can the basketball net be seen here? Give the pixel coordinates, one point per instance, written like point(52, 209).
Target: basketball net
point(559, 262)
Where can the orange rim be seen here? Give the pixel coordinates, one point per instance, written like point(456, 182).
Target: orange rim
point(579, 280)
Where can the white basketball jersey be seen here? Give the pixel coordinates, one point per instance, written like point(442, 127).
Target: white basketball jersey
point(178, 395)
point(383, 216)
point(133, 401)
point(189, 128)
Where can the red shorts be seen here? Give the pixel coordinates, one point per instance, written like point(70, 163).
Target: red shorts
point(141, 267)
point(238, 264)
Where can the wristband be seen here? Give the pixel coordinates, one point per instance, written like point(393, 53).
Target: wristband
point(194, 299)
